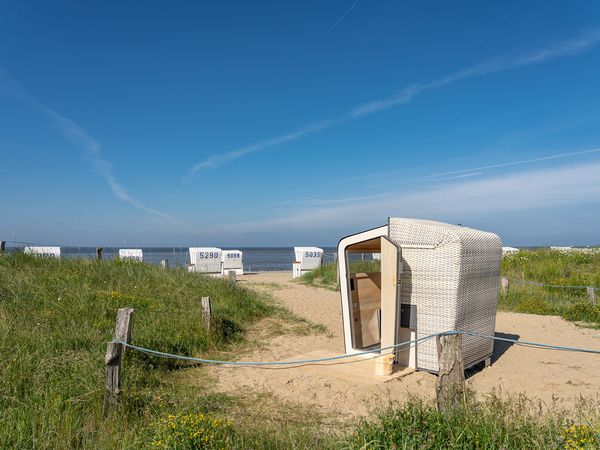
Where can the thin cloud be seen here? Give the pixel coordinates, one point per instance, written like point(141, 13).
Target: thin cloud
point(576, 45)
point(343, 15)
point(515, 163)
point(468, 199)
point(78, 136)
point(465, 175)
point(214, 161)
point(337, 201)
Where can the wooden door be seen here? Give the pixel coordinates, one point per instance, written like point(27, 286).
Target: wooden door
point(390, 294)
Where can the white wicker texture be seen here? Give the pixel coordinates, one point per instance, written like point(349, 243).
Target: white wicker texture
point(451, 273)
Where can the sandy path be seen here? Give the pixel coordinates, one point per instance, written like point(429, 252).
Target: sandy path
point(353, 389)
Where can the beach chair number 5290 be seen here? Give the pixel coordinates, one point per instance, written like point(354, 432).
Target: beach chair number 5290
point(208, 255)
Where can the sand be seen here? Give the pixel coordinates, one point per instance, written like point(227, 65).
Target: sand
point(352, 388)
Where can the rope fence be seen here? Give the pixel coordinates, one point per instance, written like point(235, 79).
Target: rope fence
point(346, 356)
point(450, 362)
point(505, 283)
point(275, 363)
point(535, 283)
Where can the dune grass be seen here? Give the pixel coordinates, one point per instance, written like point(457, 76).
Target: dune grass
point(491, 423)
point(56, 318)
point(565, 268)
point(558, 268)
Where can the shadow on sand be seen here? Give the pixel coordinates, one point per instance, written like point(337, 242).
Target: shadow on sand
point(500, 347)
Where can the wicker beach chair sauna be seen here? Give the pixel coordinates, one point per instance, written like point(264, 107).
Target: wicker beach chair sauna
point(448, 280)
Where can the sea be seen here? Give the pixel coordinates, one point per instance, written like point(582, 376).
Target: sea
point(255, 259)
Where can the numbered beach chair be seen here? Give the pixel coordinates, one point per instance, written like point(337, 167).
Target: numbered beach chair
point(131, 254)
point(307, 259)
point(48, 252)
point(206, 260)
point(232, 260)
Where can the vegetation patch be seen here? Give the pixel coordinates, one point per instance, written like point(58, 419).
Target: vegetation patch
point(192, 431)
point(562, 268)
point(56, 318)
point(493, 423)
point(553, 268)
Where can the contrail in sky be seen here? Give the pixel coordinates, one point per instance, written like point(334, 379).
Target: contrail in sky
point(515, 163)
point(343, 15)
point(578, 44)
point(78, 136)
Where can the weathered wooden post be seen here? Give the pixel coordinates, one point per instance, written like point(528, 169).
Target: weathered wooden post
point(164, 263)
point(504, 284)
point(114, 356)
point(450, 384)
point(99, 251)
point(2, 246)
point(231, 277)
point(206, 313)
point(591, 292)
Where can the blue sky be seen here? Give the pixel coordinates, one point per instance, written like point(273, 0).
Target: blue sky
point(282, 123)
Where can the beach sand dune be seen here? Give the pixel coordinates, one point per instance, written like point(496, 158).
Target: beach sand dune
point(352, 388)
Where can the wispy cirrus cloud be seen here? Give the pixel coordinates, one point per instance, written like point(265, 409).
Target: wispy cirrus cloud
point(572, 46)
point(465, 199)
point(78, 136)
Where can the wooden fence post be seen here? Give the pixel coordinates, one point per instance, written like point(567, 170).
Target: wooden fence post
point(504, 284)
point(206, 312)
point(2, 246)
point(591, 292)
point(450, 384)
point(164, 263)
point(99, 251)
point(114, 356)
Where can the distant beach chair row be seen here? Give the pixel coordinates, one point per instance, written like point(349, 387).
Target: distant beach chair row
point(209, 260)
point(132, 254)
